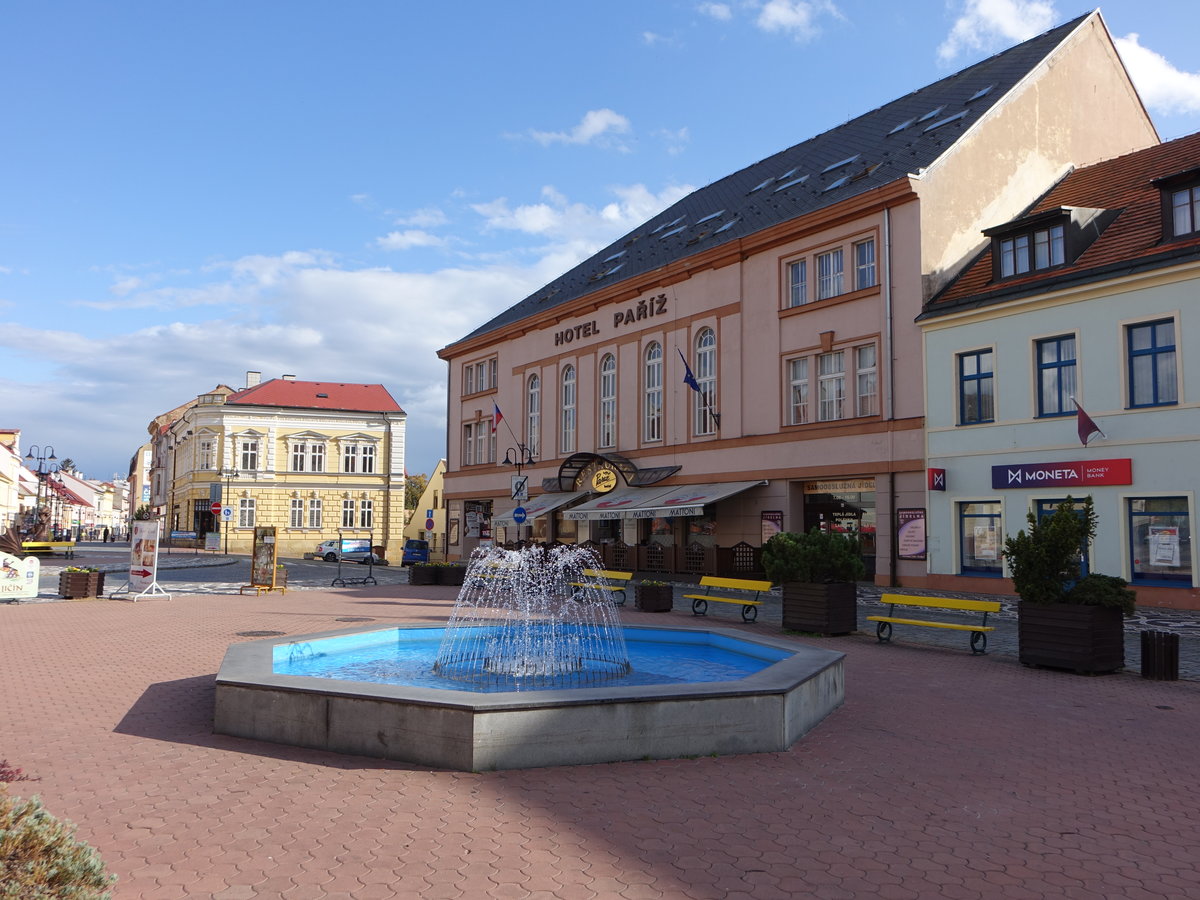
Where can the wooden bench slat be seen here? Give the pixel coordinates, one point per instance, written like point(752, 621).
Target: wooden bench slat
point(957, 626)
point(907, 602)
point(722, 599)
point(749, 585)
point(942, 602)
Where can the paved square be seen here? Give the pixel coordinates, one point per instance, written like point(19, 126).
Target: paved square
point(942, 775)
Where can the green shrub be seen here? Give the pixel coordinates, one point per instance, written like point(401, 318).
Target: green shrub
point(40, 858)
point(816, 557)
point(1103, 590)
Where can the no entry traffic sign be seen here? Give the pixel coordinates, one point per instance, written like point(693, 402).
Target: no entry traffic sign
point(216, 509)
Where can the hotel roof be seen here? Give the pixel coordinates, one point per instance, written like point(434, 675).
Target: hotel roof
point(891, 142)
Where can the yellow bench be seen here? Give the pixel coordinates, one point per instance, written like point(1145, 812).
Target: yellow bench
point(599, 580)
point(883, 630)
point(748, 604)
point(67, 548)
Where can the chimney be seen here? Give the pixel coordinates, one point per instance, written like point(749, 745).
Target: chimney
point(253, 378)
point(288, 377)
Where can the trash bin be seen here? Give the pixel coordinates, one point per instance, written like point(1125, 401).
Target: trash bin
point(1160, 655)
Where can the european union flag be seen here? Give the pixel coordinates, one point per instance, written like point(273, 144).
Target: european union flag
point(688, 378)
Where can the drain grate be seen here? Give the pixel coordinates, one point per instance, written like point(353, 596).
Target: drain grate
point(260, 633)
point(354, 619)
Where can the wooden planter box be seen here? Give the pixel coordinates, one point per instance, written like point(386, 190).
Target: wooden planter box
point(1088, 640)
point(75, 585)
point(450, 575)
point(422, 575)
point(654, 597)
point(820, 608)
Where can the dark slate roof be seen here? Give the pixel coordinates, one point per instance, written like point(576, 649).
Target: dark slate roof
point(1132, 241)
point(877, 148)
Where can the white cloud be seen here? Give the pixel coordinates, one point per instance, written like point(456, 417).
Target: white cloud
point(598, 127)
point(5, 270)
point(429, 217)
point(992, 24)
point(405, 240)
point(1163, 87)
point(675, 140)
point(798, 18)
point(719, 11)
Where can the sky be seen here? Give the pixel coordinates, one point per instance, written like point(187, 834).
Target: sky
point(335, 191)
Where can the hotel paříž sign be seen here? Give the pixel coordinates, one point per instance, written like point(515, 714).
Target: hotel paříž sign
point(1078, 473)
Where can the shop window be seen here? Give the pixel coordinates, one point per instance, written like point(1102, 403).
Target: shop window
point(1160, 539)
point(1056, 376)
point(975, 402)
point(979, 539)
point(1151, 359)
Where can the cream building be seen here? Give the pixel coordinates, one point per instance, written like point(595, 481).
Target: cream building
point(316, 460)
point(431, 508)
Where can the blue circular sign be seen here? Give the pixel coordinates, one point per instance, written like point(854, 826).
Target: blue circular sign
point(519, 515)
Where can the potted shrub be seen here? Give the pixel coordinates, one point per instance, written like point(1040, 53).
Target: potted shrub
point(654, 596)
point(817, 572)
point(1065, 621)
point(75, 582)
point(451, 574)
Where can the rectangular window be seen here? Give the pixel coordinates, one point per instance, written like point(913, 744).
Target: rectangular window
point(864, 265)
point(366, 515)
point(469, 379)
point(347, 513)
point(831, 386)
point(1041, 249)
point(798, 375)
point(866, 381)
point(798, 283)
point(207, 454)
point(491, 365)
point(299, 457)
point(350, 458)
point(829, 274)
point(317, 458)
point(314, 513)
point(249, 455)
point(1151, 349)
point(1185, 211)
point(1056, 376)
point(245, 512)
point(1160, 537)
point(979, 539)
point(975, 403)
point(368, 458)
point(296, 519)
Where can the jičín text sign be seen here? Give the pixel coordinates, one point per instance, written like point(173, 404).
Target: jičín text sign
point(1064, 474)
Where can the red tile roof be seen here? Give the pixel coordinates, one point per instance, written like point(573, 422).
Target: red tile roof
point(317, 395)
point(1134, 237)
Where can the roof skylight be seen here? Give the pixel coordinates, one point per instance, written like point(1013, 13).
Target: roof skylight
point(759, 187)
point(946, 121)
point(838, 165)
point(663, 237)
point(727, 226)
point(982, 92)
point(792, 183)
point(710, 216)
point(616, 255)
point(668, 225)
point(902, 126)
point(929, 115)
point(838, 183)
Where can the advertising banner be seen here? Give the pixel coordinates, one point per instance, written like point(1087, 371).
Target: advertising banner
point(143, 554)
point(1080, 473)
point(910, 533)
point(19, 577)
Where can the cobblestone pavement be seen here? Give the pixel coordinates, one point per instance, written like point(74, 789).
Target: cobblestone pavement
point(943, 775)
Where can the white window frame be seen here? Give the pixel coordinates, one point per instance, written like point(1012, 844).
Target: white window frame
point(296, 513)
point(652, 396)
point(533, 413)
point(246, 512)
point(314, 512)
point(348, 512)
point(367, 457)
point(798, 382)
point(608, 401)
point(249, 454)
point(831, 386)
point(797, 283)
point(366, 514)
point(864, 265)
point(566, 435)
point(316, 457)
point(830, 273)
point(705, 399)
point(299, 457)
point(866, 378)
point(208, 451)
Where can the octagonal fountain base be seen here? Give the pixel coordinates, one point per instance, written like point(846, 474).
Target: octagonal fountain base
point(460, 729)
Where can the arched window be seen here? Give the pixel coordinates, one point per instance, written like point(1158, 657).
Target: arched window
point(652, 409)
point(608, 401)
point(567, 433)
point(533, 414)
point(704, 401)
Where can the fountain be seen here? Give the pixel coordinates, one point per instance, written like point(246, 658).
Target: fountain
point(532, 669)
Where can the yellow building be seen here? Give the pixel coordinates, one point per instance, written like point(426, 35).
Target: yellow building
point(316, 460)
point(431, 507)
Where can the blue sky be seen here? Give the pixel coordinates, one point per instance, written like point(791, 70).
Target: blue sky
point(337, 190)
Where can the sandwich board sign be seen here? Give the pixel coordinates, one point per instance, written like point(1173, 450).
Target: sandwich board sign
point(143, 561)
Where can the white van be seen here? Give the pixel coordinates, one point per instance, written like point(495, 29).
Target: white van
point(330, 551)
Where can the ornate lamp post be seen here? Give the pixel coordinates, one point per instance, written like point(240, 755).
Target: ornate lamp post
point(47, 462)
point(229, 475)
point(519, 456)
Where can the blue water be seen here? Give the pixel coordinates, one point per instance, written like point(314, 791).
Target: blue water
point(405, 656)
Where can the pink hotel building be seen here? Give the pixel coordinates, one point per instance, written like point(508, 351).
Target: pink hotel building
point(790, 291)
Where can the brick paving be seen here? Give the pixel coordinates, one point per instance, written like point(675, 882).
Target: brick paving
point(944, 774)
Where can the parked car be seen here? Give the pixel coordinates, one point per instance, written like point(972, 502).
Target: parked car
point(331, 551)
point(415, 551)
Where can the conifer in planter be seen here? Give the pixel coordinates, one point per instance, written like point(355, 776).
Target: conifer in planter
point(1064, 621)
point(817, 571)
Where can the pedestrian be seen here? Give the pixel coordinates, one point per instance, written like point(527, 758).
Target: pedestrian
point(106, 535)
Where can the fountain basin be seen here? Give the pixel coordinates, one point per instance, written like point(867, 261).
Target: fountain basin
point(472, 731)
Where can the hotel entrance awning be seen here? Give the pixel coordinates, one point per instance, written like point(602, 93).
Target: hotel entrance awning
point(538, 506)
point(650, 503)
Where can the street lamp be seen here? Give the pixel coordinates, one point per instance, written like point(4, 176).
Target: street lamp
point(228, 475)
point(46, 463)
point(518, 456)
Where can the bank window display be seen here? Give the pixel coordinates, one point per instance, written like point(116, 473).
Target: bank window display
point(1160, 538)
point(652, 402)
point(704, 400)
point(608, 401)
point(980, 539)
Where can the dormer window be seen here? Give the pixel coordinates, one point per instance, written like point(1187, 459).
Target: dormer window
point(1045, 240)
point(1185, 211)
point(1039, 249)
